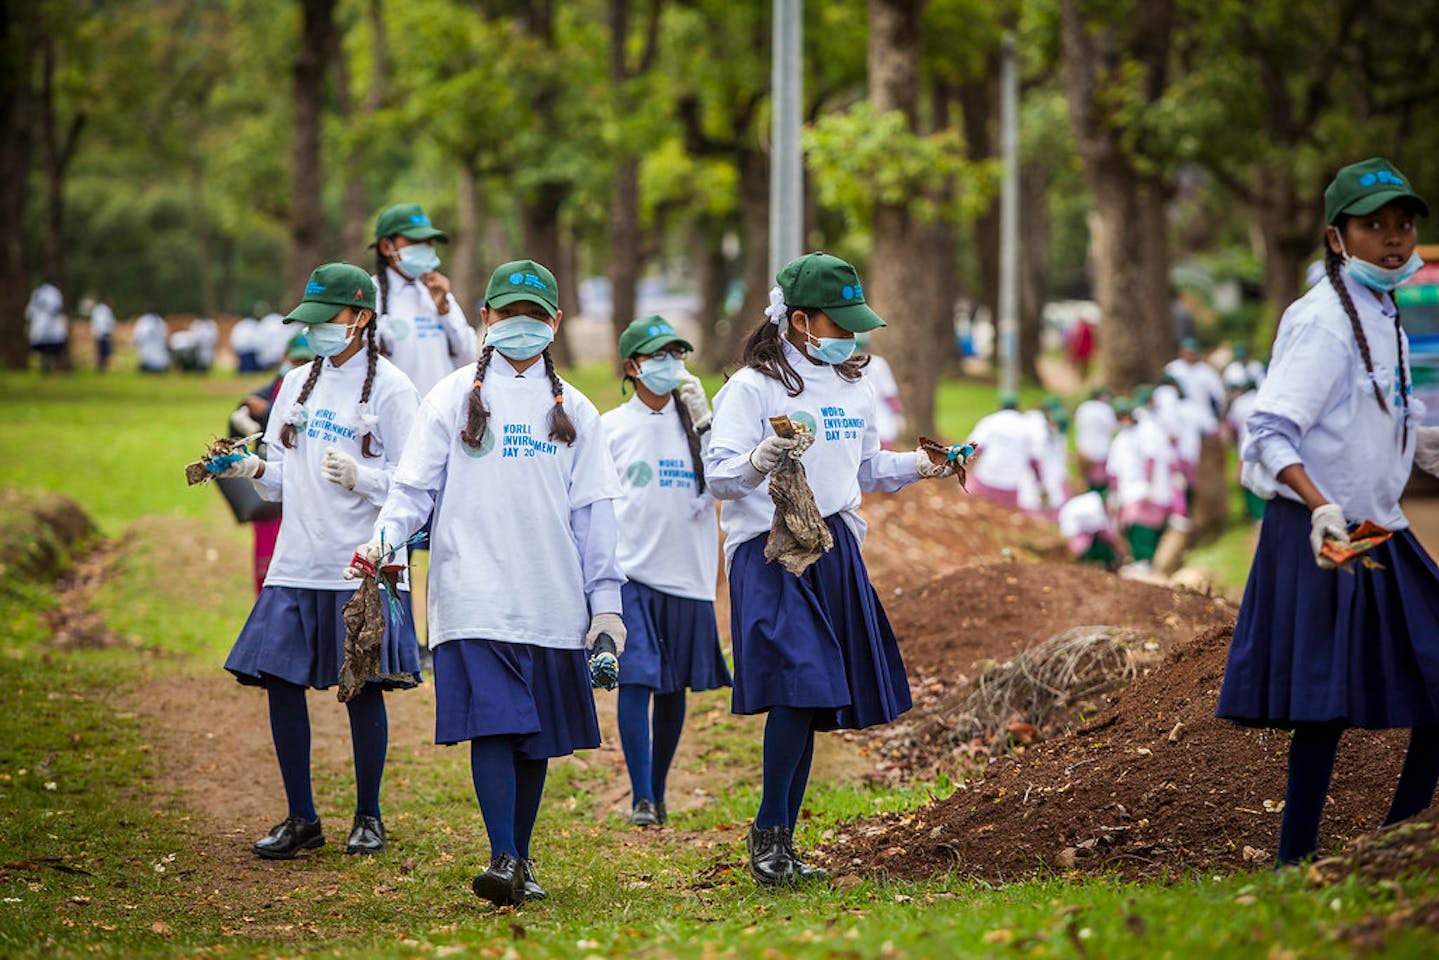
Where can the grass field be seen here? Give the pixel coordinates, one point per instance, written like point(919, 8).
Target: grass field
point(99, 856)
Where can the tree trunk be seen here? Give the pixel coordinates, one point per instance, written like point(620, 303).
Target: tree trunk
point(354, 208)
point(624, 241)
point(899, 284)
point(753, 167)
point(943, 245)
point(18, 108)
point(307, 213)
point(1289, 233)
point(711, 280)
point(1128, 234)
point(465, 280)
point(1033, 263)
point(204, 254)
point(540, 216)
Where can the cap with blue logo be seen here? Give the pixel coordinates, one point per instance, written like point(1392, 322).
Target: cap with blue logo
point(407, 220)
point(648, 334)
point(523, 280)
point(1364, 187)
point(332, 287)
point(823, 282)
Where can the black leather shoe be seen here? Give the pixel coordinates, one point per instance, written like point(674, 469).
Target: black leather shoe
point(661, 814)
point(503, 884)
point(533, 890)
point(803, 871)
point(367, 835)
point(289, 838)
point(769, 859)
point(643, 814)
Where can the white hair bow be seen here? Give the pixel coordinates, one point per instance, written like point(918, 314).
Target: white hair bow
point(297, 415)
point(776, 311)
point(368, 421)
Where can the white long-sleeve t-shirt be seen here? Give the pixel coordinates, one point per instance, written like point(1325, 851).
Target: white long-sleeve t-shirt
point(523, 543)
point(427, 345)
point(322, 521)
point(845, 460)
point(669, 534)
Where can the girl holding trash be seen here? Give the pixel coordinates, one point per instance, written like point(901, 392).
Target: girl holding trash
point(422, 328)
point(332, 442)
point(669, 551)
point(523, 575)
point(1331, 440)
point(814, 650)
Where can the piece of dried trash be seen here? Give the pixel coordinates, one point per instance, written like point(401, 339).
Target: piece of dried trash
point(223, 452)
point(798, 537)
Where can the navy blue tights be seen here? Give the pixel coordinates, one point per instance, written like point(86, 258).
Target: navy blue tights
point(649, 765)
point(290, 729)
point(788, 752)
point(508, 787)
point(1311, 765)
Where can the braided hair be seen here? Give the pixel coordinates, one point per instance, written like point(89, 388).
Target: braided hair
point(477, 416)
point(372, 351)
point(691, 434)
point(287, 432)
point(382, 275)
point(1333, 261)
point(764, 351)
point(561, 427)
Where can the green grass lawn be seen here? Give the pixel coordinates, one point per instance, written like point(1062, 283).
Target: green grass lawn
point(97, 858)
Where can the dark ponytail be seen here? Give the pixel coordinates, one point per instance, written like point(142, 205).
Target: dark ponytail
point(287, 432)
point(477, 417)
point(382, 277)
point(372, 351)
point(694, 440)
point(764, 351)
point(561, 427)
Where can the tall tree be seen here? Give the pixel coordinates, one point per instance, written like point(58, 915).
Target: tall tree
point(307, 212)
point(19, 39)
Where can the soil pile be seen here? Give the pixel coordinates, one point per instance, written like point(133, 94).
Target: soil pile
point(1155, 784)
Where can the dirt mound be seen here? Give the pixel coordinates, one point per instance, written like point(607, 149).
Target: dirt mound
point(950, 625)
point(935, 527)
point(39, 532)
point(1154, 785)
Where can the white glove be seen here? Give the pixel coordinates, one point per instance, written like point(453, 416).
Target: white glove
point(247, 467)
point(606, 623)
point(244, 423)
point(770, 453)
point(340, 468)
point(1326, 521)
point(928, 469)
point(367, 552)
point(1426, 450)
point(692, 394)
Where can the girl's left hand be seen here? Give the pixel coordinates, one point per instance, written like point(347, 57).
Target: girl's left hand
point(692, 393)
point(439, 286)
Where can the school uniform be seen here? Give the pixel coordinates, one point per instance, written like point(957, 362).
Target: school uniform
point(1084, 523)
point(819, 641)
point(424, 344)
point(522, 551)
point(1094, 424)
point(244, 341)
point(102, 328)
point(669, 553)
point(151, 340)
point(295, 632)
point(1053, 461)
point(1313, 645)
point(1141, 466)
point(1199, 381)
point(1004, 473)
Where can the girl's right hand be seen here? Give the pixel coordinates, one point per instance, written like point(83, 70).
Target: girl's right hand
point(1326, 522)
point(247, 467)
point(364, 562)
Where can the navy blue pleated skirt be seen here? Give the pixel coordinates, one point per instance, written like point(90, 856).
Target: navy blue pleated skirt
point(490, 688)
point(1314, 645)
point(819, 641)
point(671, 643)
point(298, 635)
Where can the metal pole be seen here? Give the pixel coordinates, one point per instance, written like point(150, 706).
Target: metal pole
point(786, 184)
point(1008, 352)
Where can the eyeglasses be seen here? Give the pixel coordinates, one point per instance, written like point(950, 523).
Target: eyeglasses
point(675, 352)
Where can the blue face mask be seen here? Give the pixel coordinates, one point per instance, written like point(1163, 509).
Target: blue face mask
point(418, 259)
point(1375, 277)
point(830, 350)
point(662, 374)
point(327, 339)
point(519, 338)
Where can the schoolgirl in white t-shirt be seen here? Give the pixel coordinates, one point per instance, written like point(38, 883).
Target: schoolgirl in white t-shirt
point(813, 650)
point(332, 441)
point(523, 575)
point(669, 551)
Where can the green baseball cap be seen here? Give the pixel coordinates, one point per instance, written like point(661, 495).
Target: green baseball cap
point(648, 334)
point(1364, 187)
point(828, 283)
point(407, 220)
point(332, 287)
point(523, 280)
point(1123, 406)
